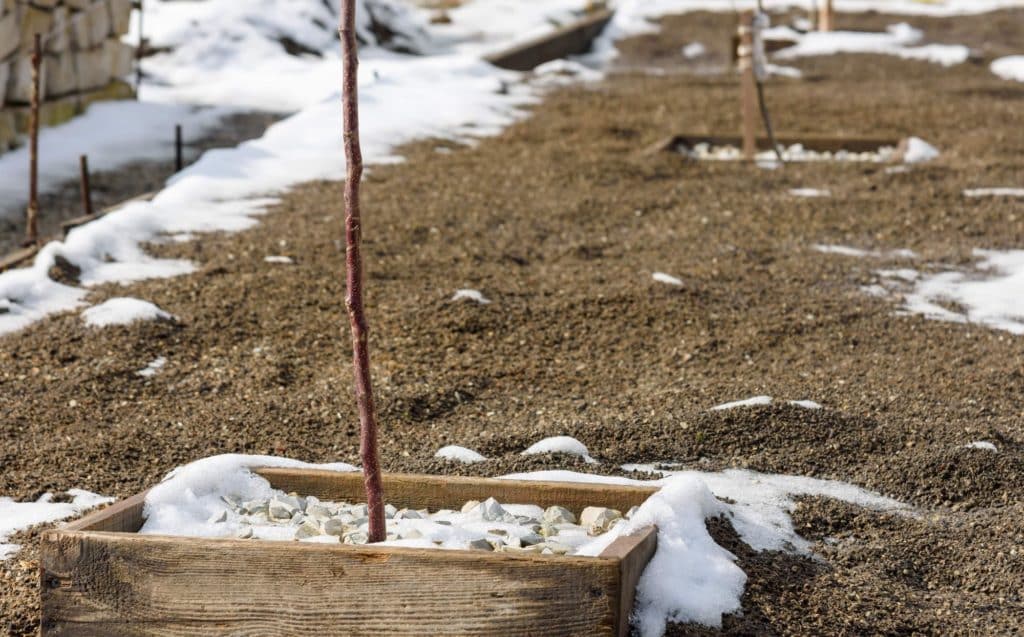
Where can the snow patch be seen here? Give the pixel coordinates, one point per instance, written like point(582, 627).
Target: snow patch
point(809, 192)
point(847, 251)
point(993, 295)
point(756, 401)
point(667, 279)
point(1009, 68)
point(806, 404)
point(919, 151)
point(690, 578)
point(898, 40)
point(994, 192)
point(470, 295)
point(982, 444)
point(188, 496)
point(123, 311)
point(459, 454)
point(18, 516)
point(152, 368)
point(561, 444)
point(280, 260)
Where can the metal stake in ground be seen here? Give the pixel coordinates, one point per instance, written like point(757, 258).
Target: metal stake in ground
point(368, 454)
point(86, 188)
point(32, 213)
point(179, 156)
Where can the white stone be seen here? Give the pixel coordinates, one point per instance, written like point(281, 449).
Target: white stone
point(559, 515)
point(333, 526)
point(469, 506)
point(218, 518)
point(598, 520)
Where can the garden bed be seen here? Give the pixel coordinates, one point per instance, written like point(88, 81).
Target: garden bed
point(100, 576)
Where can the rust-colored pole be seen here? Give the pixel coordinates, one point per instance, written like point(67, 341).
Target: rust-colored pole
point(85, 186)
point(748, 84)
point(32, 213)
point(826, 17)
point(368, 454)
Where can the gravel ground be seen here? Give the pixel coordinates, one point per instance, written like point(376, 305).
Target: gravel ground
point(561, 222)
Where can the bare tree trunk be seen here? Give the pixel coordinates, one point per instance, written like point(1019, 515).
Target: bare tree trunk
point(32, 213)
point(368, 453)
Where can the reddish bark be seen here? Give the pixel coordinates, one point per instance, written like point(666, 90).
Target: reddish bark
point(368, 453)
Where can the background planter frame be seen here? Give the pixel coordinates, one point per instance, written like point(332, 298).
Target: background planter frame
point(100, 577)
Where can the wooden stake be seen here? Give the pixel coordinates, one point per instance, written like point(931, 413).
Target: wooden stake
point(86, 188)
point(32, 213)
point(179, 156)
point(826, 18)
point(140, 51)
point(368, 453)
point(748, 84)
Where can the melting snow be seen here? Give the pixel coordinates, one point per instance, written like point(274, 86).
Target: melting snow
point(470, 295)
point(994, 192)
point(123, 311)
point(667, 279)
point(561, 444)
point(898, 40)
point(279, 260)
point(809, 192)
point(1009, 68)
point(982, 444)
point(459, 454)
point(806, 404)
point(152, 368)
point(749, 402)
point(18, 516)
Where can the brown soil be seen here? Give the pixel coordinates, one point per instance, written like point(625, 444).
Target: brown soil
point(110, 187)
point(561, 222)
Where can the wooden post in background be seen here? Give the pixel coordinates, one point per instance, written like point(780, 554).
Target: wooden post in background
point(826, 19)
point(32, 213)
point(140, 51)
point(748, 84)
point(86, 187)
point(179, 156)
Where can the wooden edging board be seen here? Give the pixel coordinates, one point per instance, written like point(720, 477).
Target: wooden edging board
point(574, 39)
point(100, 577)
point(818, 144)
point(22, 255)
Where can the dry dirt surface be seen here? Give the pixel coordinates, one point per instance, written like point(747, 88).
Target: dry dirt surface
point(561, 222)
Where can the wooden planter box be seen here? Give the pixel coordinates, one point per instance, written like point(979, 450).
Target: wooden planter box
point(101, 578)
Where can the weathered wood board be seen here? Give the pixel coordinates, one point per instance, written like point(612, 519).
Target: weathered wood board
point(99, 577)
point(818, 144)
point(573, 39)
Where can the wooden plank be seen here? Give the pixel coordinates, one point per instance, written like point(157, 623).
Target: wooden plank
point(447, 492)
point(632, 552)
point(574, 39)
point(18, 257)
point(113, 584)
point(818, 144)
point(124, 516)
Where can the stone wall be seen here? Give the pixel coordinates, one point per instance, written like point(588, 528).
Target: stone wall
point(84, 59)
